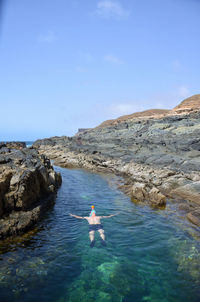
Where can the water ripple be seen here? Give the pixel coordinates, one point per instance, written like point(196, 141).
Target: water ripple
point(151, 255)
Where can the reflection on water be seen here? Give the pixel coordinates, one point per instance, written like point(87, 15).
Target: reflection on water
point(151, 255)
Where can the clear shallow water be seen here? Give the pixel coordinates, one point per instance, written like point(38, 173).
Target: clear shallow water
point(151, 255)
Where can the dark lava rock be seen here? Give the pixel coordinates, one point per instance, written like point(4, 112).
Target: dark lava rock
point(26, 179)
point(13, 145)
point(168, 142)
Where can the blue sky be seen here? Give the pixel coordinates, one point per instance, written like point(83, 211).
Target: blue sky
point(70, 64)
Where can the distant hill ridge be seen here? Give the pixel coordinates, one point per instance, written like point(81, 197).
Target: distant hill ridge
point(188, 105)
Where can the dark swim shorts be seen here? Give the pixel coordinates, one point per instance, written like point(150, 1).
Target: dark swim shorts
point(95, 227)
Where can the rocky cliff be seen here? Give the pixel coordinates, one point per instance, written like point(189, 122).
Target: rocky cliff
point(26, 179)
point(157, 151)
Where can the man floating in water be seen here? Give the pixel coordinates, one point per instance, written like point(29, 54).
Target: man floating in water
point(94, 225)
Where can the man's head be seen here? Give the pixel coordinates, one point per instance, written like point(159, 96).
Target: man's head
point(93, 213)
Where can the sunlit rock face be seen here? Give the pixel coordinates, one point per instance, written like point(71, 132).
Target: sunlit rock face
point(25, 178)
point(157, 150)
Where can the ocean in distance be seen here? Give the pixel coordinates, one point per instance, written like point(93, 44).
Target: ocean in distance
point(29, 143)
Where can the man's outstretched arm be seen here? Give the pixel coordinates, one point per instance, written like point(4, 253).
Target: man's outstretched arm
point(79, 217)
point(109, 216)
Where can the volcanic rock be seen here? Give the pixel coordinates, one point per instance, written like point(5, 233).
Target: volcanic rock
point(157, 151)
point(26, 179)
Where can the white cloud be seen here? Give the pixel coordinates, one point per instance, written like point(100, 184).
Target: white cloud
point(111, 9)
point(49, 37)
point(112, 59)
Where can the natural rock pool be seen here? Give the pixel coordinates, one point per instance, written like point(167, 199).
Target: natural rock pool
point(151, 255)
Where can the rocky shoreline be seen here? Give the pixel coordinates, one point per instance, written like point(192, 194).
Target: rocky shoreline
point(142, 183)
point(27, 185)
point(158, 155)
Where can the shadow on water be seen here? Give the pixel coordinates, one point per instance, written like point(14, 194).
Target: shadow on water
point(151, 255)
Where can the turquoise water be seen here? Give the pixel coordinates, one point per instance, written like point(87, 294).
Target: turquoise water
point(151, 255)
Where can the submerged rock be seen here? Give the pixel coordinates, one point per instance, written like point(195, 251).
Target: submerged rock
point(112, 280)
point(108, 269)
point(26, 179)
point(194, 217)
point(187, 257)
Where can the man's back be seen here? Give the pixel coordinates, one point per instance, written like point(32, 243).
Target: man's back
point(93, 219)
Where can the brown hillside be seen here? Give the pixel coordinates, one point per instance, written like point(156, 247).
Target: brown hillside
point(190, 104)
point(146, 113)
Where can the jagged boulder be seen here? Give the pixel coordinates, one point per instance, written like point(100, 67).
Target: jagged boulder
point(156, 197)
point(138, 191)
point(26, 179)
point(153, 196)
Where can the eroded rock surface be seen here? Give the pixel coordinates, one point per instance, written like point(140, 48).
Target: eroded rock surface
point(26, 179)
